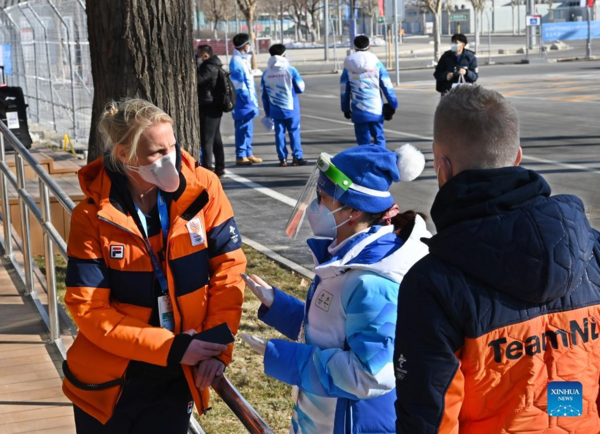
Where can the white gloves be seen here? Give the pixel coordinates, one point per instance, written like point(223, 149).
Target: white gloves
point(257, 344)
point(260, 288)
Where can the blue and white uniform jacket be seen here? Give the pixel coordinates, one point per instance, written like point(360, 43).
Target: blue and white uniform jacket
point(341, 365)
point(281, 83)
point(246, 102)
point(363, 81)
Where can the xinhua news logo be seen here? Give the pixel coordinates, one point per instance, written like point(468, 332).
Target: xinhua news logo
point(565, 399)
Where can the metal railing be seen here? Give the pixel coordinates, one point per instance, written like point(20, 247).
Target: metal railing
point(53, 240)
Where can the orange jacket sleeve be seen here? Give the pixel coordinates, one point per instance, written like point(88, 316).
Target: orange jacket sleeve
point(226, 261)
point(88, 298)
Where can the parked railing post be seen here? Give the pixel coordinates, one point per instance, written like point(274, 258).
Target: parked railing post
point(6, 217)
point(25, 226)
point(50, 272)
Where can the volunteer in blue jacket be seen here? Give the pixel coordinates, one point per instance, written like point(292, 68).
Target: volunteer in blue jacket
point(456, 63)
point(246, 103)
point(363, 81)
point(281, 84)
point(341, 363)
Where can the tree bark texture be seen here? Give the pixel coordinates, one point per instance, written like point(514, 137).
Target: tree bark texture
point(144, 49)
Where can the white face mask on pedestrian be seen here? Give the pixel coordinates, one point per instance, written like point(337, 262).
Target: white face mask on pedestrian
point(161, 173)
point(454, 47)
point(321, 220)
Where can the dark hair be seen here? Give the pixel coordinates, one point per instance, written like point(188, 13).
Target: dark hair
point(241, 39)
point(459, 37)
point(361, 42)
point(205, 49)
point(277, 50)
point(403, 222)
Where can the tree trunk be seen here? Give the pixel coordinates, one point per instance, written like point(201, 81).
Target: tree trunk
point(250, 20)
point(437, 36)
point(215, 30)
point(151, 42)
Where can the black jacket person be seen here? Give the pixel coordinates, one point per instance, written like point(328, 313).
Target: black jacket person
point(454, 63)
point(210, 115)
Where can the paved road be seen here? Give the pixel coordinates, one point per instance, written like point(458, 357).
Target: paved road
point(559, 106)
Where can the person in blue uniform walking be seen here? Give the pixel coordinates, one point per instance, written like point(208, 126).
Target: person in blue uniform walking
point(363, 82)
point(246, 103)
point(340, 363)
point(281, 84)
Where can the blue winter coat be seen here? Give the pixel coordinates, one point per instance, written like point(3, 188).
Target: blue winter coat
point(281, 83)
point(341, 366)
point(363, 81)
point(246, 103)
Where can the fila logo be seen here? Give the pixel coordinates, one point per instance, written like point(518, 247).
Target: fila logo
point(117, 252)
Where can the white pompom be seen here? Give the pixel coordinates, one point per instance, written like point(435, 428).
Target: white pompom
point(411, 162)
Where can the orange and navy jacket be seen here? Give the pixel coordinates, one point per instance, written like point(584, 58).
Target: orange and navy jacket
point(507, 302)
point(111, 283)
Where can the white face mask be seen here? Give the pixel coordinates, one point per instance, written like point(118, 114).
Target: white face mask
point(322, 221)
point(454, 47)
point(161, 173)
point(199, 61)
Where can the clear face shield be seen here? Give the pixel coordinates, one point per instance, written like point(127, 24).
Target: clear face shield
point(315, 183)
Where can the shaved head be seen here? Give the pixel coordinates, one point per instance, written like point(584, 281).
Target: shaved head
point(476, 128)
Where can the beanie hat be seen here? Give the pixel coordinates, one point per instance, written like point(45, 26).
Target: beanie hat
point(372, 169)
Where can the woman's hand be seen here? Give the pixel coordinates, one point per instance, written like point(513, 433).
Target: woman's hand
point(206, 372)
point(257, 344)
point(260, 288)
point(199, 351)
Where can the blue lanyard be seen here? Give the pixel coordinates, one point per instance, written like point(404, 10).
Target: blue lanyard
point(163, 216)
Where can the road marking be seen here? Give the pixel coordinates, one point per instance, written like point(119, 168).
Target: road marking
point(559, 164)
point(402, 133)
point(306, 131)
point(261, 189)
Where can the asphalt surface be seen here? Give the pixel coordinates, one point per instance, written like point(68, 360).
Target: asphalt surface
point(559, 108)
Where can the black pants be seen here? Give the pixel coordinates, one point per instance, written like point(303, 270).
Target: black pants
point(147, 405)
point(210, 140)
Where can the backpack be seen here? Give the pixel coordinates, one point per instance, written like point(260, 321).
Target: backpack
point(224, 92)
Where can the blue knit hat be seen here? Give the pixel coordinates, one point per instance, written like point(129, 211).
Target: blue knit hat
point(372, 169)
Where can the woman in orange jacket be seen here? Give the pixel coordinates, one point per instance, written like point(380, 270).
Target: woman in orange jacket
point(154, 258)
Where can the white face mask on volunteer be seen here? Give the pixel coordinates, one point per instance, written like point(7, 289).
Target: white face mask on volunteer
point(161, 173)
point(321, 220)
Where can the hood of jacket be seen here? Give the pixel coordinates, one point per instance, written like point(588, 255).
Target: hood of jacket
point(361, 62)
point(213, 60)
point(378, 250)
point(278, 63)
point(502, 227)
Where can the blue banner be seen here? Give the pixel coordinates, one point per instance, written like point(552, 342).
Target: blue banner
point(570, 31)
point(7, 58)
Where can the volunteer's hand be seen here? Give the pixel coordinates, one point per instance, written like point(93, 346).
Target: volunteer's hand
point(260, 288)
point(450, 76)
point(206, 372)
point(257, 344)
point(199, 350)
point(348, 115)
point(462, 71)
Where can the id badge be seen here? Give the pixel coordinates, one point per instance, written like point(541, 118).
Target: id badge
point(165, 312)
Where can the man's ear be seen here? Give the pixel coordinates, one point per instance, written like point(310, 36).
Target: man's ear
point(519, 157)
point(444, 170)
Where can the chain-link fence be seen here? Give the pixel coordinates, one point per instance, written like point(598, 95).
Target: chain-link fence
point(45, 50)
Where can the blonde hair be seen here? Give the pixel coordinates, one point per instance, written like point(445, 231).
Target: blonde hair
point(123, 123)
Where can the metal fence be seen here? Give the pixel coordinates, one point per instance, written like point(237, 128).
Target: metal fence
point(45, 50)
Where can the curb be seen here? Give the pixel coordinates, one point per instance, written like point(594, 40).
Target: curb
point(278, 258)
